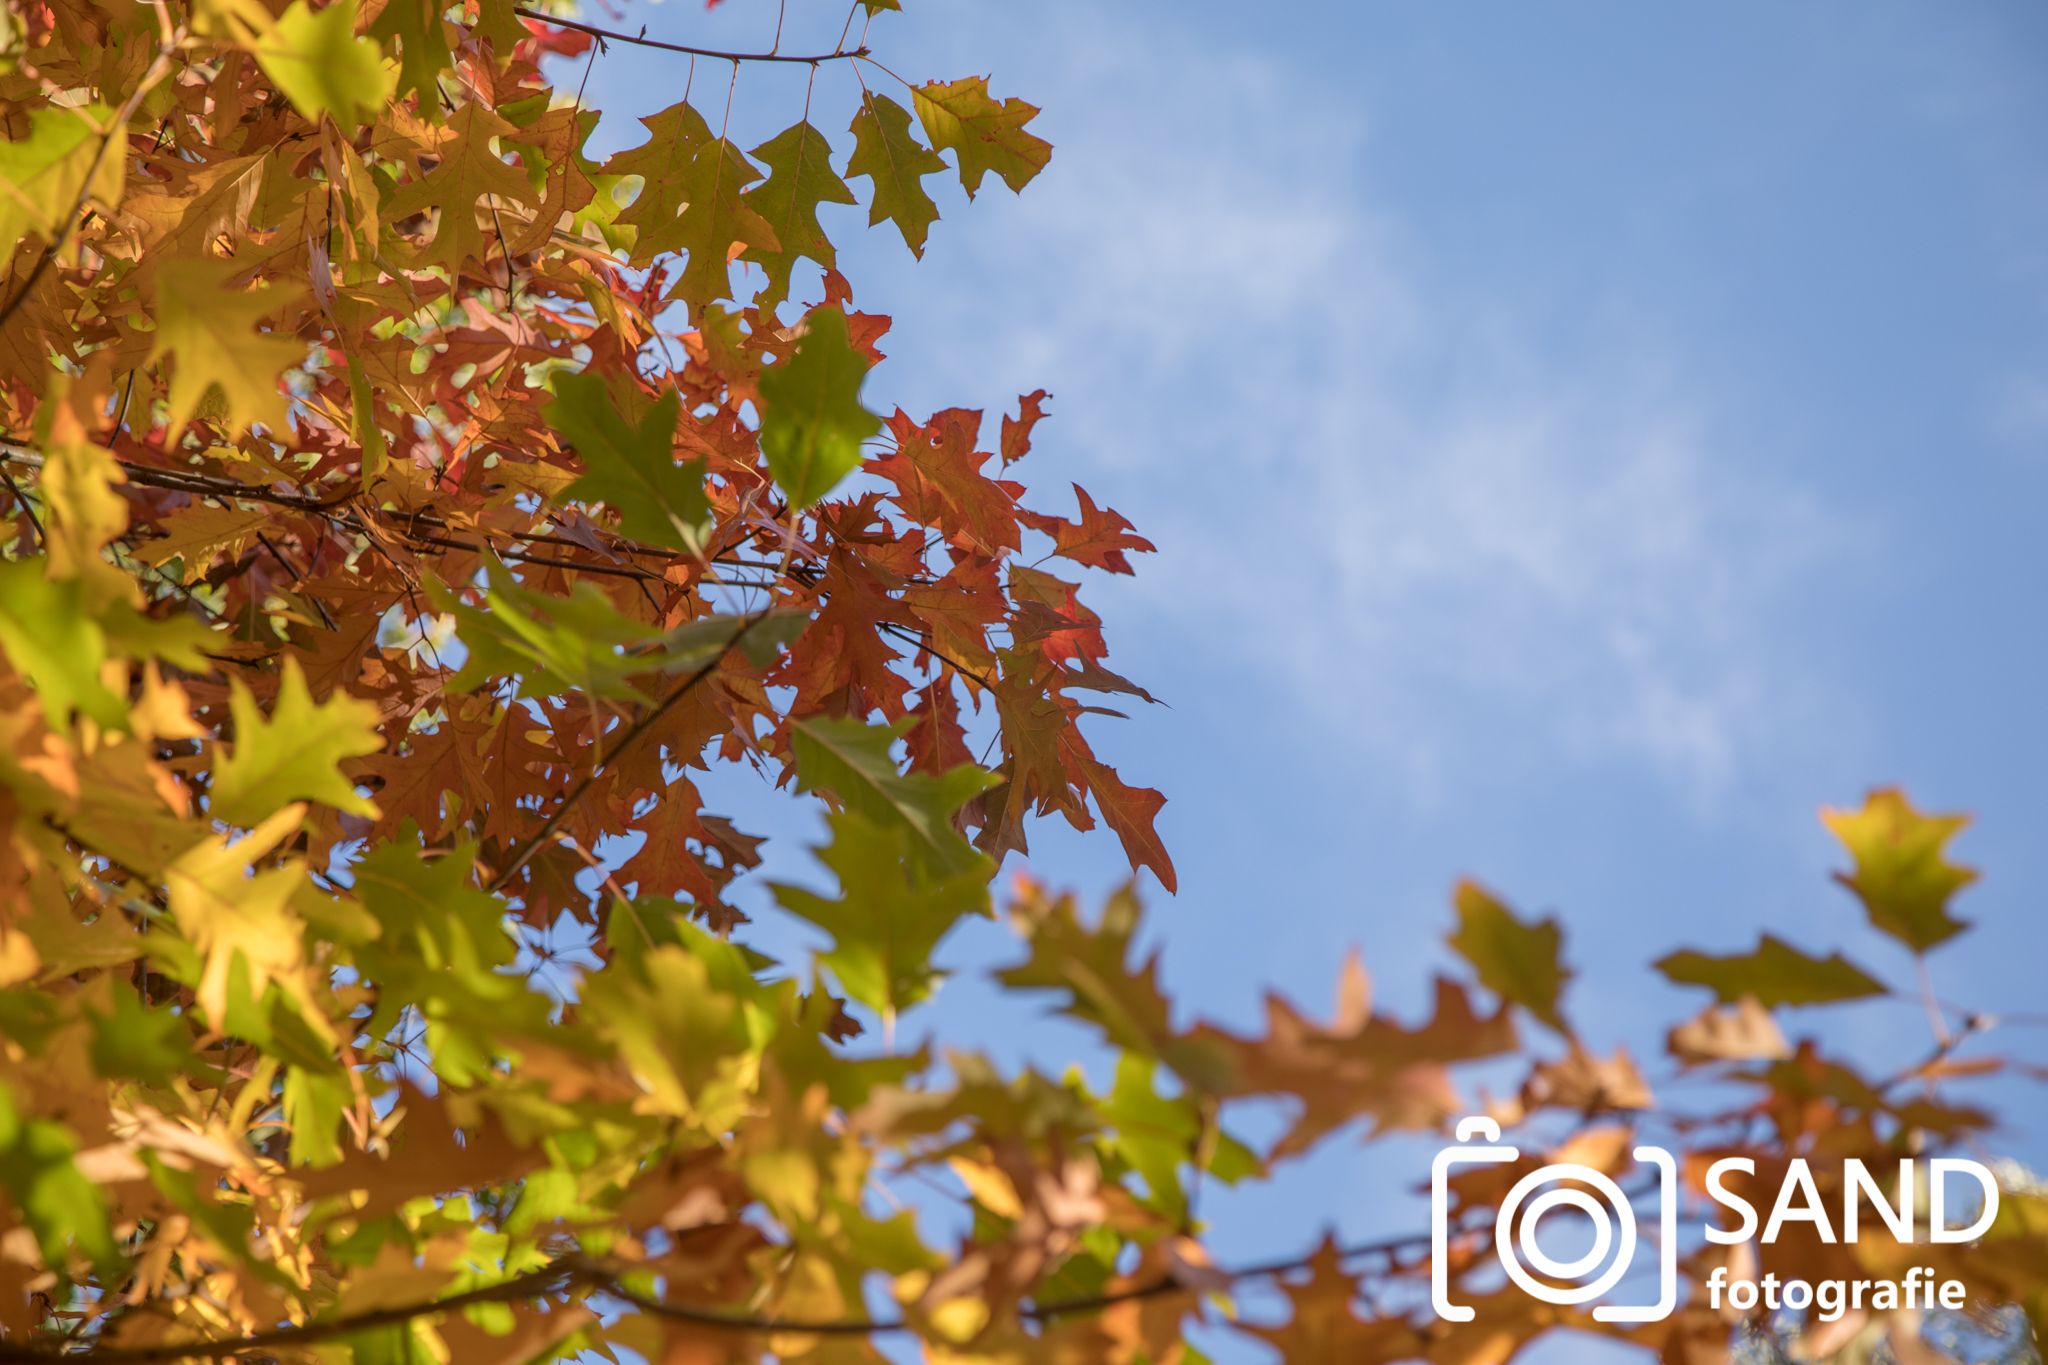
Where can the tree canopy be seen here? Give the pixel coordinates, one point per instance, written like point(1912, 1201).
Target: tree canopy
point(408, 511)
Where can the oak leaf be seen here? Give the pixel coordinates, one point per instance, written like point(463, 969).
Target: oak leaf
point(895, 163)
point(800, 178)
point(1902, 874)
point(983, 135)
point(1518, 962)
point(1773, 973)
point(813, 423)
point(294, 753)
point(212, 330)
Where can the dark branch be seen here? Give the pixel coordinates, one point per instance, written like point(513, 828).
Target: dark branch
point(641, 40)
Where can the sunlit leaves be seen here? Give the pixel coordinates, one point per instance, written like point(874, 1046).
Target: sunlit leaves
point(813, 425)
point(52, 638)
point(1774, 973)
point(984, 135)
point(690, 1046)
point(800, 178)
point(470, 179)
point(553, 645)
point(1515, 960)
point(584, 644)
point(1742, 1032)
point(393, 580)
point(422, 44)
point(717, 220)
point(212, 330)
point(885, 151)
point(318, 61)
point(630, 466)
point(294, 753)
point(441, 948)
point(890, 913)
point(674, 137)
point(1090, 966)
point(63, 1209)
point(853, 762)
point(48, 170)
point(1902, 872)
point(238, 916)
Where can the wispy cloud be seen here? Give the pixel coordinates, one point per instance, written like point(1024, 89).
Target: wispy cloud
point(1434, 519)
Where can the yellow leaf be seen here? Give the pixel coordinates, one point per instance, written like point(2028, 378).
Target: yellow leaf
point(18, 959)
point(294, 753)
point(212, 331)
point(985, 135)
point(988, 1186)
point(44, 175)
point(229, 914)
point(1902, 873)
point(318, 61)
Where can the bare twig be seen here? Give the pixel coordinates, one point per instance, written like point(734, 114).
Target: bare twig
point(642, 40)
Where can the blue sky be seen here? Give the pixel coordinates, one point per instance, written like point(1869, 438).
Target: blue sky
point(1582, 440)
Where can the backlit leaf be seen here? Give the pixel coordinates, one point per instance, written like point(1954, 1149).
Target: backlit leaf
point(1902, 874)
point(813, 425)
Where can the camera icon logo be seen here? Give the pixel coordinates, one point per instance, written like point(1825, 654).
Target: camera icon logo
point(1561, 1185)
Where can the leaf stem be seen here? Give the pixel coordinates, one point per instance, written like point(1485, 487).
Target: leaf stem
point(642, 40)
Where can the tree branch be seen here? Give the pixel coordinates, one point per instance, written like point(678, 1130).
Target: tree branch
point(158, 69)
point(523, 852)
point(642, 40)
point(548, 1279)
point(571, 1273)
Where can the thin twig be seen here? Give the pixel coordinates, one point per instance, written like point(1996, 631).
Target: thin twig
point(524, 851)
point(158, 69)
point(22, 502)
point(641, 40)
point(570, 1273)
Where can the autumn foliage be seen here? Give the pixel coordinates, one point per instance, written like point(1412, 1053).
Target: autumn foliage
point(407, 514)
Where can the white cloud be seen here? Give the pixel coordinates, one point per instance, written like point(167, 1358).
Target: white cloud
point(1420, 512)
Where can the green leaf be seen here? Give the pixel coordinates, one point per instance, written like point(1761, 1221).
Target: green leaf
point(1516, 961)
point(1153, 1133)
point(896, 163)
point(582, 643)
point(555, 645)
point(674, 137)
point(423, 48)
point(812, 422)
point(54, 642)
point(314, 1102)
point(294, 753)
point(1091, 966)
point(800, 177)
point(889, 915)
point(139, 1043)
point(687, 1042)
point(212, 329)
point(1902, 873)
point(716, 217)
point(959, 116)
point(321, 65)
point(853, 762)
point(444, 949)
point(1775, 973)
point(470, 172)
point(61, 1206)
point(45, 171)
point(368, 434)
point(632, 468)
